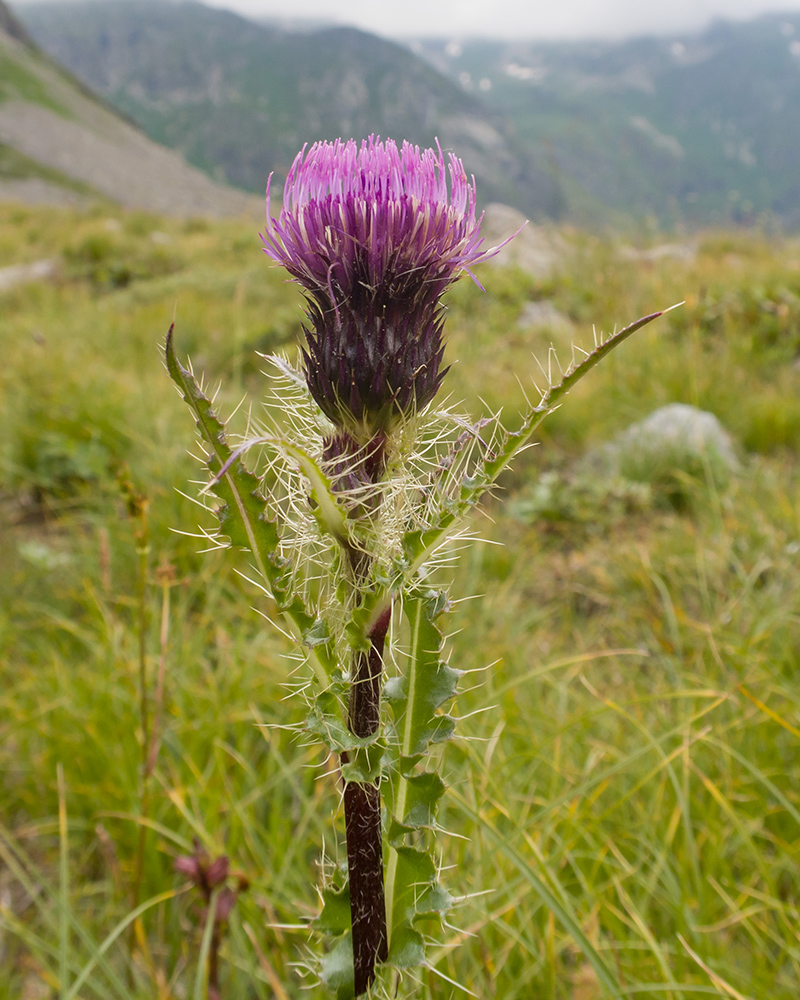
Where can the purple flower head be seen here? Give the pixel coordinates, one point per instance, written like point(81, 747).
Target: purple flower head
point(205, 873)
point(374, 234)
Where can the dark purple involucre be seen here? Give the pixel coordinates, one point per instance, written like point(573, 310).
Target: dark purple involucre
point(374, 235)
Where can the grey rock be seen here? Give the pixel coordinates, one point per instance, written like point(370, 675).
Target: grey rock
point(680, 427)
point(686, 252)
point(673, 447)
point(21, 274)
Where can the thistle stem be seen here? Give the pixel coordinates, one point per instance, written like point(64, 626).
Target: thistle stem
point(362, 810)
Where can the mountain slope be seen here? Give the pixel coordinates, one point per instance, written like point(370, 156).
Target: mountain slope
point(238, 99)
point(690, 130)
point(699, 128)
point(58, 143)
point(10, 25)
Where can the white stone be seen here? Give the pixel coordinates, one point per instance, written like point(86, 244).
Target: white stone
point(21, 274)
point(676, 438)
point(679, 425)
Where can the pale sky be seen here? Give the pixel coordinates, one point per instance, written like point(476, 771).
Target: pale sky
point(514, 18)
point(523, 19)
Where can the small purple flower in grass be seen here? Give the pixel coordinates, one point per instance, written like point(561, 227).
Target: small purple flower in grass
point(208, 875)
point(209, 878)
point(374, 234)
point(205, 873)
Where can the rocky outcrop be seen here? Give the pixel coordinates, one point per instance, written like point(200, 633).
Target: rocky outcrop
point(75, 148)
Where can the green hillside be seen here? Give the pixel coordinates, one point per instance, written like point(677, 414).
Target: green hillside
point(697, 128)
point(60, 143)
point(238, 99)
point(687, 130)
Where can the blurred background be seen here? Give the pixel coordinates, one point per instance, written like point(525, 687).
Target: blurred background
point(679, 115)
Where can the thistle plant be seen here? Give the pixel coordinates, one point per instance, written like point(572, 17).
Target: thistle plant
point(360, 485)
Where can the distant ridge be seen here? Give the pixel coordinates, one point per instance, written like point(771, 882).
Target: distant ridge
point(10, 26)
point(238, 98)
point(691, 129)
point(58, 143)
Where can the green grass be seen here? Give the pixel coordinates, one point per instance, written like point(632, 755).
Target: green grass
point(634, 762)
point(19, 82)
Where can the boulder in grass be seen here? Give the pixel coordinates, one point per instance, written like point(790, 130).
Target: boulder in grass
point(22, 274)
point(672, 447)
point(679, 425)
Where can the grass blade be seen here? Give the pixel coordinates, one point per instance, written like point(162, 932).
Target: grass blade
point(36, 886)
point(63, 885)
point(199, 990)
point(548, 898)
point(87, 970)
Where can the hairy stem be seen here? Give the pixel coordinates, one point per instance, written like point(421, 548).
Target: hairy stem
point(362, 807)
point(353, 465)
point(362, 810)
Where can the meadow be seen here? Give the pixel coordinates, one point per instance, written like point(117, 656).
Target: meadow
point(628, 755)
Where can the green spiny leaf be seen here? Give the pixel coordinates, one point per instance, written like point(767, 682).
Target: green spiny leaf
point(335, 915)
point(318, 634)
point(419, 545)
point(407, 949)
point(428, 683)
point(325, 721)
point(328, 512)
point(411, 886)
point(423, 792)
point(416, 894)
point(243, 517)
point(358, 627)
point(336, 968)
point(364, 764)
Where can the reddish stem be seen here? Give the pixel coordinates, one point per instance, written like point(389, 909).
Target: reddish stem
point(362, 810)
